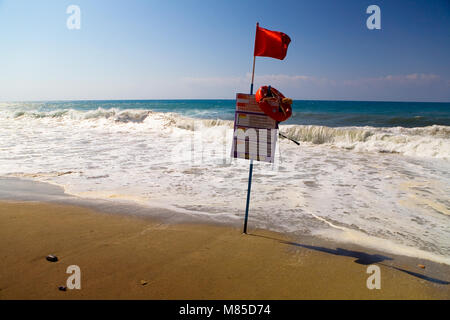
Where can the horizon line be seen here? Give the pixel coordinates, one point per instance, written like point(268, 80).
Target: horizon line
point(212, 99)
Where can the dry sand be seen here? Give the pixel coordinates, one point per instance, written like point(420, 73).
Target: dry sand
point(182, 261)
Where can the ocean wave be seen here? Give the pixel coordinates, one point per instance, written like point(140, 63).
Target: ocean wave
point(121, 116)
point(132, 115)
point(432, 141)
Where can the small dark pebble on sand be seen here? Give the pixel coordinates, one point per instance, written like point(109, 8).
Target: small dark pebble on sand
point(52, 258)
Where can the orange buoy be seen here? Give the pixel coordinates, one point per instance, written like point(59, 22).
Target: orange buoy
point(273, 103)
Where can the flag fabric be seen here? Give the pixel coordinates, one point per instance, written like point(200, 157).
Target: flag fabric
point(270, 43)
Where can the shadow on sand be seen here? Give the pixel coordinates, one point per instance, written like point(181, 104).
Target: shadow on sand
point(361, 257)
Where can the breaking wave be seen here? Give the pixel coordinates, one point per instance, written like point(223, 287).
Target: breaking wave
point(432, 141)
point(121, 116)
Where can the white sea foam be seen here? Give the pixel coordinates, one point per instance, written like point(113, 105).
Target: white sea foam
point(432, 141)
point(364, 240)
point(390, 184)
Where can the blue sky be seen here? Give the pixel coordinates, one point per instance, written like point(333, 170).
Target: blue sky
point(203, 49)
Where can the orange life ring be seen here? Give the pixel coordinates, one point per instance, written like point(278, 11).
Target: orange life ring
point(273, 103)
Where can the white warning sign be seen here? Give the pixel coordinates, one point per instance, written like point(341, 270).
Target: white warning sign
point(255, 133)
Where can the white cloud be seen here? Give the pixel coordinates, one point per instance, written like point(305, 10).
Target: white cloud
point(290, 80)
point(413, 86)
point(416, 78)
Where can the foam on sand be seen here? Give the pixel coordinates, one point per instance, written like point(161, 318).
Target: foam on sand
point(390, 184)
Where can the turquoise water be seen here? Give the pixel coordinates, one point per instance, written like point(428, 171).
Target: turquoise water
point(325, 113)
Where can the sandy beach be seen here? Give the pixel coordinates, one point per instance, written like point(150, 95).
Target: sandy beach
point(128, 257)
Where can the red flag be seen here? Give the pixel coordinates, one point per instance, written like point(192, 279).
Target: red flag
point(270, 43)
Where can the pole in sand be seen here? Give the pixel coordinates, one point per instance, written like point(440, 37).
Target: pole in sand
point(250, 173)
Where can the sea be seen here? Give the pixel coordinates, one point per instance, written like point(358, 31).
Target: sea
point(375, 174)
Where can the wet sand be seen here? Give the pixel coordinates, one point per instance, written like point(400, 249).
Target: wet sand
point(130, 257)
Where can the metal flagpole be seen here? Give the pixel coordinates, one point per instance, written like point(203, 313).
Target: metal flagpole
point(250, 173)
point(253, 75)
point(248, 195)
